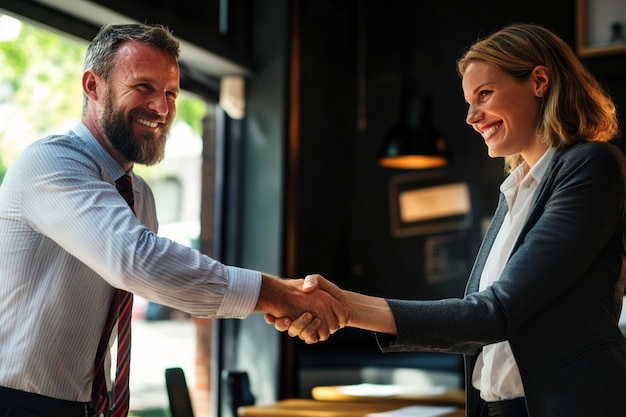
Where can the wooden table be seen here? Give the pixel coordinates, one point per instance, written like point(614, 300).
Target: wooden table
point(339, 393)
point(314, 408)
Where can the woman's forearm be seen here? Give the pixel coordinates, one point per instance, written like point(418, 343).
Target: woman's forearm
point(370, 313)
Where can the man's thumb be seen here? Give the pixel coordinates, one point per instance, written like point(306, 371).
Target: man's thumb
point(310, 283)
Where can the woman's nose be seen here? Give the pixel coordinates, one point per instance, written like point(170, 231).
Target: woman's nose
point(473, 115)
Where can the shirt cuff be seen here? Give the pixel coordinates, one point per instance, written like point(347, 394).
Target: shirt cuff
point(242, 294)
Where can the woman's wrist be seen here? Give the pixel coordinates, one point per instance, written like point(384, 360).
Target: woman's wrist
point(370, 313)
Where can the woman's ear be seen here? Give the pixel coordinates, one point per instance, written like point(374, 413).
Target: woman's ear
point(541, 80)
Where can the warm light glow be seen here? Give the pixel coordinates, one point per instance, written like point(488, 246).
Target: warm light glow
point(434, 202)
point(413, 162)
point(232, 96)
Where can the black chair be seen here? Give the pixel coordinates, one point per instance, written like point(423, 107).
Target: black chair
point(178, 393)
point(238, 391)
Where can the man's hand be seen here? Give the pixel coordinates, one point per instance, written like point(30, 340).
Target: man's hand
point(308, 326)
point(289, 299)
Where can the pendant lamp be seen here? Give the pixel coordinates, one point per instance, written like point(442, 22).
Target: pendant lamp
point(414, 142)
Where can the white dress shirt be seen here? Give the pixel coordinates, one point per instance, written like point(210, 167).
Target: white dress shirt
point(67, 239)
point(496, 375)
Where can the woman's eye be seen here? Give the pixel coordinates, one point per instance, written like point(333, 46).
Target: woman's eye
point(484, 93)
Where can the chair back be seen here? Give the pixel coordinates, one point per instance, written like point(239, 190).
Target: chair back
point(238, 389)
point(178, 393)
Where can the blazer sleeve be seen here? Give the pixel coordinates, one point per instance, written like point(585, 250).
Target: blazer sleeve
point(578, 208)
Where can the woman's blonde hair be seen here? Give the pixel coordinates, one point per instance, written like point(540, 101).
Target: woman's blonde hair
point(575, 108)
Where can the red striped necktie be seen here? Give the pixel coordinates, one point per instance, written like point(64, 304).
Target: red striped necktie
point(120, 312)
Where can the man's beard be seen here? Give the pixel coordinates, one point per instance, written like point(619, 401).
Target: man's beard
point(147, 149)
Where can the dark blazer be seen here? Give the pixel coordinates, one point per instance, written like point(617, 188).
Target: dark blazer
point(558, 300)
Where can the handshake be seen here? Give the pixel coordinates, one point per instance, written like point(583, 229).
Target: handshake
point(314, 308)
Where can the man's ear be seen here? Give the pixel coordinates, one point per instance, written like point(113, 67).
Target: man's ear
point(541, 80)
point(91, 82)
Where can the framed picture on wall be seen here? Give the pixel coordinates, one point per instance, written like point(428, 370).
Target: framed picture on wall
point(422, 203)
point(600, 27)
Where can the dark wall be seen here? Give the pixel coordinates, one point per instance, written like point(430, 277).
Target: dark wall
point(327, 136)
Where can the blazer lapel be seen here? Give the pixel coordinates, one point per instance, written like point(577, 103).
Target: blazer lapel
point(473, 282)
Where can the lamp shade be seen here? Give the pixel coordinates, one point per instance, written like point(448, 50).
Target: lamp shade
point(414, 142)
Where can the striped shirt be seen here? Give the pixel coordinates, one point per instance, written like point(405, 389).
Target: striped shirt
point(67, 240)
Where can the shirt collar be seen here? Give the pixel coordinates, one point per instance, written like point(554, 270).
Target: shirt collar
point(539, 169)
point(110, 165)
point(522, 176)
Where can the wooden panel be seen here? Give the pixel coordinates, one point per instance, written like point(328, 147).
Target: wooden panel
point(336, 393)
point(312, 408)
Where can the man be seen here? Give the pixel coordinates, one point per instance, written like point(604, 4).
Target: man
point(71, 248)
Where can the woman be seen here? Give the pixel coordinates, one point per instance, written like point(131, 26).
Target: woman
point(538, 324)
